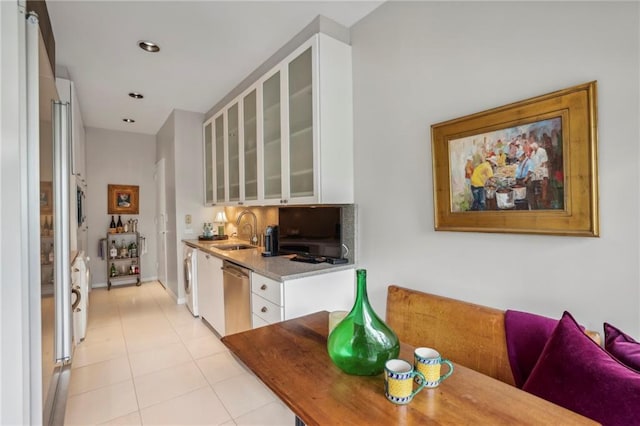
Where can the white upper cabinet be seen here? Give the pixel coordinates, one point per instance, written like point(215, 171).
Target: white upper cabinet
point(272, 139)
point(214, 160)
point(233, 152)
point(249, 147)
point(208, 163)
point(301, 152)
point(219, 159)
point(290, 135)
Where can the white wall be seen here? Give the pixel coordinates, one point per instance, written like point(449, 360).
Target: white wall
point(120, 158)
point(189, 182)
point(420, 63)
point(189, 176)
point(180, 144)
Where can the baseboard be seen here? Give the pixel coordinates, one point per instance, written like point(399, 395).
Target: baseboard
point(178, 300)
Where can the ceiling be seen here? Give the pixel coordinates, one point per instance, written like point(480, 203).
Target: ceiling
point(207, 48)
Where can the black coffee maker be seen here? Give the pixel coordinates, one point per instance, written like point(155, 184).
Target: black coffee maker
point(271, 243)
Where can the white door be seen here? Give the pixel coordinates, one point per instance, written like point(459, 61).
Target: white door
point(161, 221)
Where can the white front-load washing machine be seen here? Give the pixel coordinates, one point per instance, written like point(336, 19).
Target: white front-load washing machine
point(190, 282)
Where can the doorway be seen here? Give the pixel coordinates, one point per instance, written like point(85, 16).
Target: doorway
point(161, 221)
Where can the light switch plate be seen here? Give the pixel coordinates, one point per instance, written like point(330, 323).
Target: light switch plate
point(187, 219)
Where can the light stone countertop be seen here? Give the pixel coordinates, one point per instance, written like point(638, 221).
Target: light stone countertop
point(279, 268)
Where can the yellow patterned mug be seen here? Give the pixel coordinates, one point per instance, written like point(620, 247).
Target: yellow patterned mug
point(428, 361)
point(398, 381)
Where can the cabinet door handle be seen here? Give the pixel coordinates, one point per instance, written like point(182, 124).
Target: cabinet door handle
point(263, 287)
point(264, 309)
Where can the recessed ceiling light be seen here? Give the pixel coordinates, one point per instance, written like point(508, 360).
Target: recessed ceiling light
point(136, 95)
point(128, 120)
point(149, 46)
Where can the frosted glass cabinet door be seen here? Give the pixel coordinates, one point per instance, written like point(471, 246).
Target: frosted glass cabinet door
point(219, 152)
point(250, 147)
point(208, 164)
point(301, 126)
point(272, 138)
point(234, 154)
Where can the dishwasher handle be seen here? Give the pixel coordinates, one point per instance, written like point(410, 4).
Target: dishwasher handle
point(233, 271)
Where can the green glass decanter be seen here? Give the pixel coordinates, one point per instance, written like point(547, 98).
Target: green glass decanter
point(361, 343)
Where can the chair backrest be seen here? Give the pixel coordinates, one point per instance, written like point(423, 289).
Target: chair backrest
point(465, 333)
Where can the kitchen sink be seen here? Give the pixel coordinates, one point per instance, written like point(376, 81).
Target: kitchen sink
point(229, 247)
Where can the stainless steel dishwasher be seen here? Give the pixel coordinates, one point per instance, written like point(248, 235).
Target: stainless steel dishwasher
point(237, 298)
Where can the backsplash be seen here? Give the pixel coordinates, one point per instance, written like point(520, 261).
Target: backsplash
point(264, 215)
point(269, 216)
point(349, 227)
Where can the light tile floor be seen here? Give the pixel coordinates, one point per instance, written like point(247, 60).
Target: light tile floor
point(147, 361)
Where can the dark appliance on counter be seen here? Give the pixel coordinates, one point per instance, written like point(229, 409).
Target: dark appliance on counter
point(311, 232)
point(271, 241)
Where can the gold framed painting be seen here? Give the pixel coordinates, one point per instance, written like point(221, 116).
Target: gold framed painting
point(123, 199)
point(527, 167)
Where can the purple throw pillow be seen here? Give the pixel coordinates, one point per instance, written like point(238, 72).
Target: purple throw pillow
point(622, 346)
point(526, 336)
point(576, 373)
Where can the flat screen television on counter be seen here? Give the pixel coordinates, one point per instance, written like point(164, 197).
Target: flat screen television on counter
point(312, 231)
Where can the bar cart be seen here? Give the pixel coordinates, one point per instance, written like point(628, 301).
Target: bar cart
point(123, 261)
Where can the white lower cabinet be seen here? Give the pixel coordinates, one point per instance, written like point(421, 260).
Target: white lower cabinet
point(211, 291)
point(273, 301)
point(266, 309)
point(258, 322)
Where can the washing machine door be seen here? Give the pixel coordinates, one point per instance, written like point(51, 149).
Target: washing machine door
point(188, 272)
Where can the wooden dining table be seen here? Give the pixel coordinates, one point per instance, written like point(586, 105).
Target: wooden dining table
point(291, 359)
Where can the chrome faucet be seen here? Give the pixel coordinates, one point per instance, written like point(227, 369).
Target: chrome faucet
point(253, 229)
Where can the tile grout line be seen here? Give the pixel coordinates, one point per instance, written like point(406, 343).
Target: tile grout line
point(195, 361)
point(152, 372)
point(133, 382)
point(92, 330)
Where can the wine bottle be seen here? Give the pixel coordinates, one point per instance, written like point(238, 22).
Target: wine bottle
point(113, 270)
point(112, 226)
point(51, 254)
point(119, 225)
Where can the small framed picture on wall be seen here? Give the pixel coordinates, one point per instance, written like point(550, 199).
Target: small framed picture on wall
point(123, 199)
